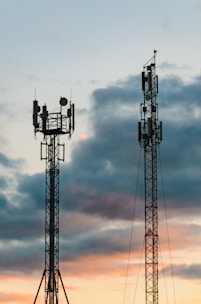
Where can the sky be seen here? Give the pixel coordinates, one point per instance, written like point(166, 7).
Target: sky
point(93, 52)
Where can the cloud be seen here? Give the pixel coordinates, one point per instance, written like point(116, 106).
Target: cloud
point(33, 187)
point(102, 188)
point(108, 101)
point(34, 78)
point(10, 163)
point(172, 66)
point(184, 271)
point(100, 238)
point(91, 266)
point(108, 161)
point(21, 214)
point(15, 297)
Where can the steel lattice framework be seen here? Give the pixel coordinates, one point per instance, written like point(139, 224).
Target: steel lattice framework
point(52, 125)
point(150, 136)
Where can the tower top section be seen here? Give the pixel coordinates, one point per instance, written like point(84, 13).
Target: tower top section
point(55, 123)
point(150, 79)
point(149, 128)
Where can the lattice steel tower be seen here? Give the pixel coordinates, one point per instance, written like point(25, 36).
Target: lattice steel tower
point(150, 136)
point(52, 125)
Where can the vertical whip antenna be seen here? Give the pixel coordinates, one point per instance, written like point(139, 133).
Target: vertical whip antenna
point(149, 137)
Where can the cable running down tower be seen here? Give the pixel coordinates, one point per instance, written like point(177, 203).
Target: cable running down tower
point(52, 125)
point(149, 137)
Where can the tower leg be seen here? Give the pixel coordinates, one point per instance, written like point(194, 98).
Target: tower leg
point(39, 287)
point(63, 287)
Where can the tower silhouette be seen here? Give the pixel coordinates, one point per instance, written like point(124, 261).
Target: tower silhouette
point(52, 126)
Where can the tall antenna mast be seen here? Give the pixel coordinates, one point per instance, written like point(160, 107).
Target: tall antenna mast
point(149, 137)
point(52, 125)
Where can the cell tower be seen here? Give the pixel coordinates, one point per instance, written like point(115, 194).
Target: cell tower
point(149, 137)
point(52, 125)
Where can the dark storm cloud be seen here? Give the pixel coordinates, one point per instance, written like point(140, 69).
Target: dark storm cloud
point(21, 213)
point(184, 271)
point(108, 100)
point(21, 223)
point(174, 92)
point(101, 176)
point(100, 241)
point(181, 146)
point(107, 204)
point(108, 162)
point(96, 242)
point(100, 180)
point(34, 187)
point(20, 219)
point(3, 182)
point(21, 257)
point(3, 200)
